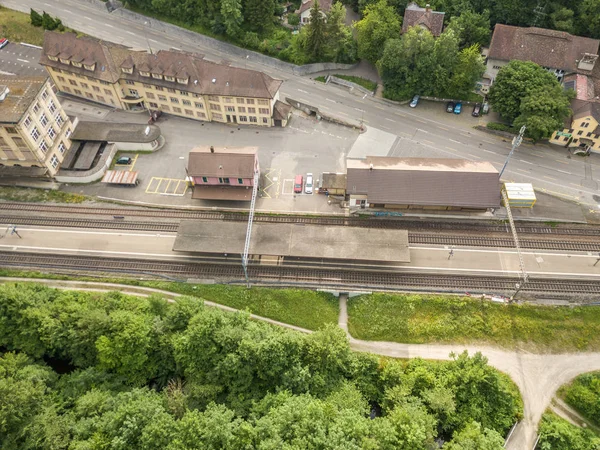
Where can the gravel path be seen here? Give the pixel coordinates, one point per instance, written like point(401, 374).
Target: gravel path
point(538, 377)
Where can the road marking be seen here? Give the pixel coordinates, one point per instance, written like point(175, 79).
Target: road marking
point(300, 90)
point(129, 32)
point(86, 17)
point(523, 170)
point(526, 162)
point(152, 40)
point(427, 142)
point(563, 171)
point(575, 184)
point(443, 128)
point(390, 120)
point(175, 48)
point(499, 251)
point(108, 25)
point(400, 114)
point(453, 149)
point(358, 109)
point(23, 60)
point(473, 156)
point(422, 121)
point(561, 161)
point(465, 134)
point(550, 178)
point(329, 100)
point(379, 107)
point(456, 142)
point(487, 151)
point(343, 113)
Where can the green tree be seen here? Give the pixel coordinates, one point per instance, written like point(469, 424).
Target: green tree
point(379, 23)
point(469, 69)
point(527, 94)
point(471, 28)
point(557, 433)
point(35, 18)
point(258, 14)
point(48, 23)
point(589, 18)
point(340, 44)
point(315, 32)
point(231, 11)
point(473, 437)
point(562, 19)
point(293, 19)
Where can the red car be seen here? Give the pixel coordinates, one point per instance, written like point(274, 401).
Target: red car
point(298, 183)
point(3, 42)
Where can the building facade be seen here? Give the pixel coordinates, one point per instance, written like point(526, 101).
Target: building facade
point(34, 129)
point(584, 128)
point(304, 10)
point(174, 82)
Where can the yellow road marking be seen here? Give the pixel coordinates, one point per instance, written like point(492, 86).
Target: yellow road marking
point(133, 162)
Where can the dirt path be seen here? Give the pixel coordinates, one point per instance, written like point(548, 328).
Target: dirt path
point(538, 377)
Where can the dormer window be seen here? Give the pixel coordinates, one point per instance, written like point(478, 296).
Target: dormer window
point(89, 66)
point(158, 76)
point(52, 58)
point(182, 80)
point(65, 61)
point(76, 64)
point(145, 74)
point(127, 70)
point(169, 78)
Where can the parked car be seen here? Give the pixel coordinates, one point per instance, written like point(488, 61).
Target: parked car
point(415, 101)
point(458, 108)
point(308, 186)
point(476, 110)
point(298, 182)
point(449, 107)
point(124, 161)
point(3, 42)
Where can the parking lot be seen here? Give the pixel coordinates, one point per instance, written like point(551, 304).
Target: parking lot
point(18, 59)
point(304, 146)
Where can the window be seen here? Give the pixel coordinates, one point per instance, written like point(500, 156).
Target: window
point(243, 119)
point(106, 83)
point(61, 147)
point(227, 99)
point(61, 79)
point(240, 101)
point(59, 120)
point(176, 110)
point(27, 122)
point(45, 94)
point(189, 112)
point(253, 119)
point(130, 82)
point(217, 116)
point(174, 100)
point(221, 180)
point(35, 134)
point(184, 93)
point(263, 110)
point(226, 180)
point(89, 67)
point(11, 130)
point(158, 76)
point(153, 105)
point(241, 109)
point(583, 124)
point(565, 139)
point(213, 98)
point(43, 147)
point(165, 108)
point(52, 106)
point(134, 92)
point(162, 98)
point(263, 102)
point(54, 161)
point(147, 86)
point(251, 110)
point(214, 107)
point(89, 95)
point(66, 89)
point(186, 102)
point(77, 91)
point(107, 91)
point(73, 82)
point(96, 88)
point(497, 67)
point(68, 133)
point(159, 88)
point(150, 95)
point(169, 78)
point(240, 181)
point(579, 133)
point(198, 105)
point(84, 85)
point(201, 115)
point(43, 120)
point(171, 91)
point(144, 74)
point(230, 108)
point(250, 101)
point(76, 64)
point(589, 134)
point(204, 180)
point(19, 142)
point(36, 108)
point(265, 121)
point(51, 133)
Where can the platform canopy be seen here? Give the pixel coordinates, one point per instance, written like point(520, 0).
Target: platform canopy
point(294, 240)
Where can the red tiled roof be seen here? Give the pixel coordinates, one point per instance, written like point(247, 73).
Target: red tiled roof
point(324, 5)
point(414, 15)
point(226, 162)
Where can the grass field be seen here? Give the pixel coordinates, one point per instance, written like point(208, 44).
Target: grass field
point(367, 84)
point(448, 319)
point(16, 27)
point(17, 194)
point(303, 308)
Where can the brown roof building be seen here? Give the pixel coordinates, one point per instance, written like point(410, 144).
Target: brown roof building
point(422, 183)
point(177, 82)
point(223, 173)
point(415, 16)
point(558, 51)
point(304, 10)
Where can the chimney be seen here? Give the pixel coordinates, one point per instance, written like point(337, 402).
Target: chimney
point(212, 149)
point(427, 7)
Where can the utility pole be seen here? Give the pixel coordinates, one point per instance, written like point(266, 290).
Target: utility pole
point(515, 144)
point(524, 275)
point(146, 23)
point(249, 229)
point(597, 260)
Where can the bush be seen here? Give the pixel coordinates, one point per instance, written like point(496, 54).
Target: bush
point(584, 395)
point(501, 127)
point(293, 19)
point(36, 19)
point(48, 23)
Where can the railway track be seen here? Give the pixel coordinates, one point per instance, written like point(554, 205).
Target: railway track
point(371, 222)
point(289, 276)
point(462, 240)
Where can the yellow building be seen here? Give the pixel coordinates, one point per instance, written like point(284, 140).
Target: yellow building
point(175, 82)
point(34, 129)
point(585, 127)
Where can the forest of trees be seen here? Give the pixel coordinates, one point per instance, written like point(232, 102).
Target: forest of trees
point(107, 371)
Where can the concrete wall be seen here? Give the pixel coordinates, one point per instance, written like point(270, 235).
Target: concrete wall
point(348, 84)
point(220, 46)
point(88, 176)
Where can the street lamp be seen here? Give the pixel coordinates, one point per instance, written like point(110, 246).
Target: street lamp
point(146, 24)
point(515, 143)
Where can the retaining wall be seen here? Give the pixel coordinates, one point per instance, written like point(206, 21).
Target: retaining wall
point(349, 84)
point(88, 176)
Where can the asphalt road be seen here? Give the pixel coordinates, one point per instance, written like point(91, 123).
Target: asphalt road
point(548, 167)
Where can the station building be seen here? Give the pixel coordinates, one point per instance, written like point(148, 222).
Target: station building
point(422, 183)
point(35, 132)
point(174, 82)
